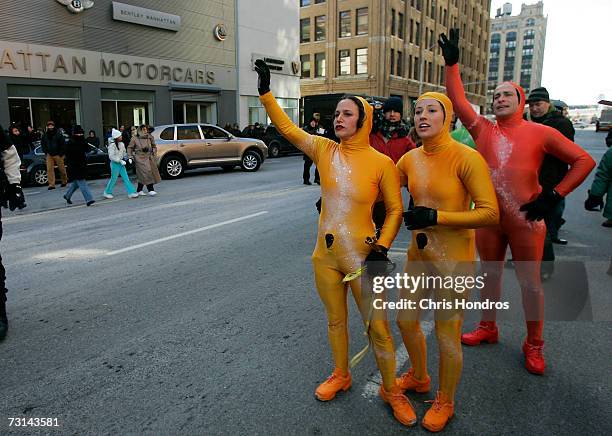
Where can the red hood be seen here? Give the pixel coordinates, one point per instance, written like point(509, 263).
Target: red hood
point(517, 116)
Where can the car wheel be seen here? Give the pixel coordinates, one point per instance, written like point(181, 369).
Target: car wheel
point(173, 167)
point(251, 161)
point(274, 150)
point(227, 168)
point(39, 176)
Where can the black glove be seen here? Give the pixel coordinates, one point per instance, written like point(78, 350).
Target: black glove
point(593, 203)
point(263, 73)
point(16, 199)
point(318, 205)
point(420, 217)
point(377, 262)
point(541, 206)
point(450, 47)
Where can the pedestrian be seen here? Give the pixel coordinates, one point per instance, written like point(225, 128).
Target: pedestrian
point(442, 176)
point(236, 130)
point(53, 144)
point(390, 139)
point(514, 150)
point(20, 141)
point(92, 139)
point(312, 128)
point(11, 195)
point(76, 158)
point(602, 187)
point(143, 150)
point(116, 155)
point(353, 175)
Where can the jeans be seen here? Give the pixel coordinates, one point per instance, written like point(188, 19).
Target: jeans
point(119, 170)
point(82, 185)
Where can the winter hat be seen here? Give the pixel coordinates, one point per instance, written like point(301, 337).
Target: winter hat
point(538, 94)
point(78, 130)
point(115, 134)
point(559, 104)
point(394, 103)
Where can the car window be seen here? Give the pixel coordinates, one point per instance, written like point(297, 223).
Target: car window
point(167, 134)
point(187, 132)
point(212, 132)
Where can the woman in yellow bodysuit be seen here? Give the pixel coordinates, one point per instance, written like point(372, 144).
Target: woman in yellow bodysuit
point(352, 176)
point(442, 177)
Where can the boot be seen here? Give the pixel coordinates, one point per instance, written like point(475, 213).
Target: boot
point(3, 319)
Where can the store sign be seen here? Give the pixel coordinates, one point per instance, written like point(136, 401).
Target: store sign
point(278, 65)
point(47, 62)
point(145, 17)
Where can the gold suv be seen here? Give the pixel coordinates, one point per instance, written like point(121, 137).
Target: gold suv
point(184, 146)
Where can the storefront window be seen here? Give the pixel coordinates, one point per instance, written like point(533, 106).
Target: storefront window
point(194, 112)
point(125, 107)
point(257, 113)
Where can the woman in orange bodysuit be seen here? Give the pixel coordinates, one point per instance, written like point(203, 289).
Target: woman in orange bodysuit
point(514, 150)
point(352, 176)
point(443, 177)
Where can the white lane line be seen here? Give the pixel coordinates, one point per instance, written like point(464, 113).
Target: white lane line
point(190, 232)
point(370, 390)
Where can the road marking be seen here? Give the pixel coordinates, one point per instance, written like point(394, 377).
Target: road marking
point(190, 232)
point(370, 390)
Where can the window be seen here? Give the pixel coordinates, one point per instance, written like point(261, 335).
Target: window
point(432, 11)
point(417, 36)
point(417, 68)
point(320, 65)
point(212, 132)
point(320, 28)
point(362, 21)
point(305, 62)
point(304, 3)
point(305, 30)
point(187, 133)
point(527, 52)
point(392, 59)
point(400, 25)
point(345, 24)
point(362, 60)
point(411, 31)
point(392, 21)
point(510, 44)
point(344, 58)
point(529, 33)
point(431, 38)
point(400, 63)
point(410, 66)
point(430, 73)
point(530, 22)
point(319, 1)
point(510, 53)
point(167, 134)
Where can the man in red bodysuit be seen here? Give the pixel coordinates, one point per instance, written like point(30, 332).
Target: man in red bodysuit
point(514, 150)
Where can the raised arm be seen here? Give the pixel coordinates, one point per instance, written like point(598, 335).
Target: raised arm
point(474, 174)
point(302, 140)
point(454, 86)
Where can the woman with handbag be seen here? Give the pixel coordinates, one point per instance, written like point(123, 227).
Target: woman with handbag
point(116, 152)
point(143, 150)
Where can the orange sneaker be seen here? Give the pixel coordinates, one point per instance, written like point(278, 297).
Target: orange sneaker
point(534, 359)
point(485, 332)
point(402, 408)
point(408, 382)
point(439, 414)
point(334, 384)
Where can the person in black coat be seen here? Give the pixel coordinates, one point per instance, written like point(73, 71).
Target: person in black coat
point(76, 158)
point(552, 171)
point(53, 145)
point(19, 140)
point(312, 128)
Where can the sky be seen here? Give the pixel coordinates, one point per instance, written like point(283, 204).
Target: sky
point(577, 55)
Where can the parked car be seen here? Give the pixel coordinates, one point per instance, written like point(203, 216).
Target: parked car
point(34, 165)
point(277, 144)
point(181, 147)
point(605, 120)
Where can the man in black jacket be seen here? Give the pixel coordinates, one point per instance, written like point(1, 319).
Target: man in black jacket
point(552, 171)
point(54, 146)
point(312, 128)
point(11, 196)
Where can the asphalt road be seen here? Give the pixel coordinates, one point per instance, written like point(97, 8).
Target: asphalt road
point(194, 312)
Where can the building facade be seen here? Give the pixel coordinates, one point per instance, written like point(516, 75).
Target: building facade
point(517, 43)
point(118, 64)
point(388, 47)
point(268, 29)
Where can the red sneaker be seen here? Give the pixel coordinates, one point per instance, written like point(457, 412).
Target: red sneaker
point(534, 359)
point(485, 332)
